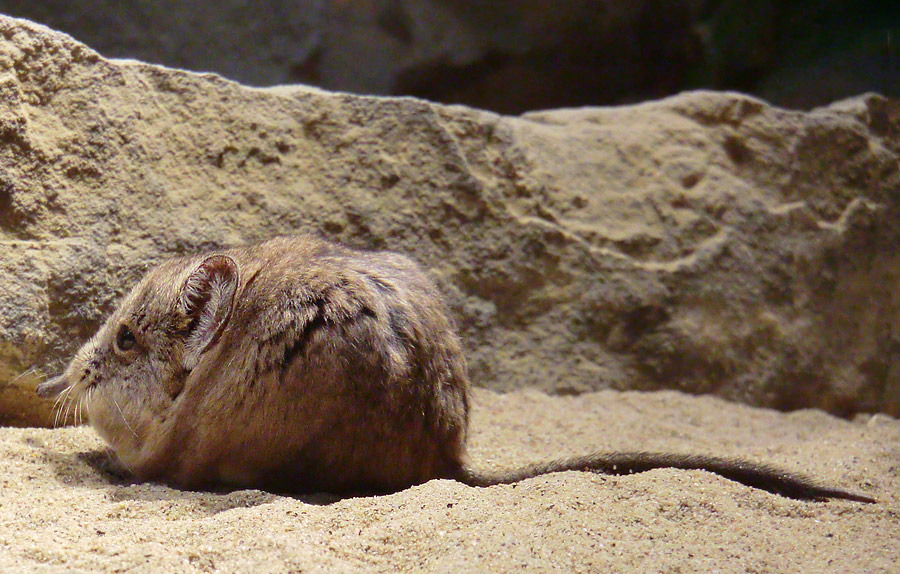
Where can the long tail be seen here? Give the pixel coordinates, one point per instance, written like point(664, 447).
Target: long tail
point(751, 474)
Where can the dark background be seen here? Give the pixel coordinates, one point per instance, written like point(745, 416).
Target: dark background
point(508, 55)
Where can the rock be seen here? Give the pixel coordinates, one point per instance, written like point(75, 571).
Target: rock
point(707, 242)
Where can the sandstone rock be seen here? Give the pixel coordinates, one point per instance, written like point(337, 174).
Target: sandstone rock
point(707, 242)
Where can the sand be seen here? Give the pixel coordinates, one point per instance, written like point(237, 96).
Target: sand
point(59, 514)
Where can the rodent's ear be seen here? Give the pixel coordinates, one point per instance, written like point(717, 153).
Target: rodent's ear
point(207, 299)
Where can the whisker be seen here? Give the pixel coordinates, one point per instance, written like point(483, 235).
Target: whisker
point(67, 401)
point(63, 409)
point(86, 405)
point(87, 402)
point(124, 419)
point(25, 373)
point(61, 401)
point(68, 407)
point(57, 407)
point(71, 401)
point(63, 394)
point(81, 407)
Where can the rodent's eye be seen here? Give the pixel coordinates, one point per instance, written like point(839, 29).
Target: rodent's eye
point(125, 340)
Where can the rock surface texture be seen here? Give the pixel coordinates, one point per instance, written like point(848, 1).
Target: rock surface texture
point(708, 242)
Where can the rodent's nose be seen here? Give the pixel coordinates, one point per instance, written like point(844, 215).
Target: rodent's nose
point(51, 387)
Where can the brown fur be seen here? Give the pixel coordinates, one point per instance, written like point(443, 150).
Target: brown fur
point(297, 364)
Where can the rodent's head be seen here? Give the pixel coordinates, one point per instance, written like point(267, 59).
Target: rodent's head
point(128, 375)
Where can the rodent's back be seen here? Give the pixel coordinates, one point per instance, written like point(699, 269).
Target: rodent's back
point(339, 370)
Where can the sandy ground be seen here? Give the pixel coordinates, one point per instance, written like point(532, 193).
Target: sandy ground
point(58, 514)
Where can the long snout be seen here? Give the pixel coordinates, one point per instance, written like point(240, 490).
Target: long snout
point(52, 387)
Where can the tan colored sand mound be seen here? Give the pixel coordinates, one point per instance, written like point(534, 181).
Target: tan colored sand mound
point(58, 514)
